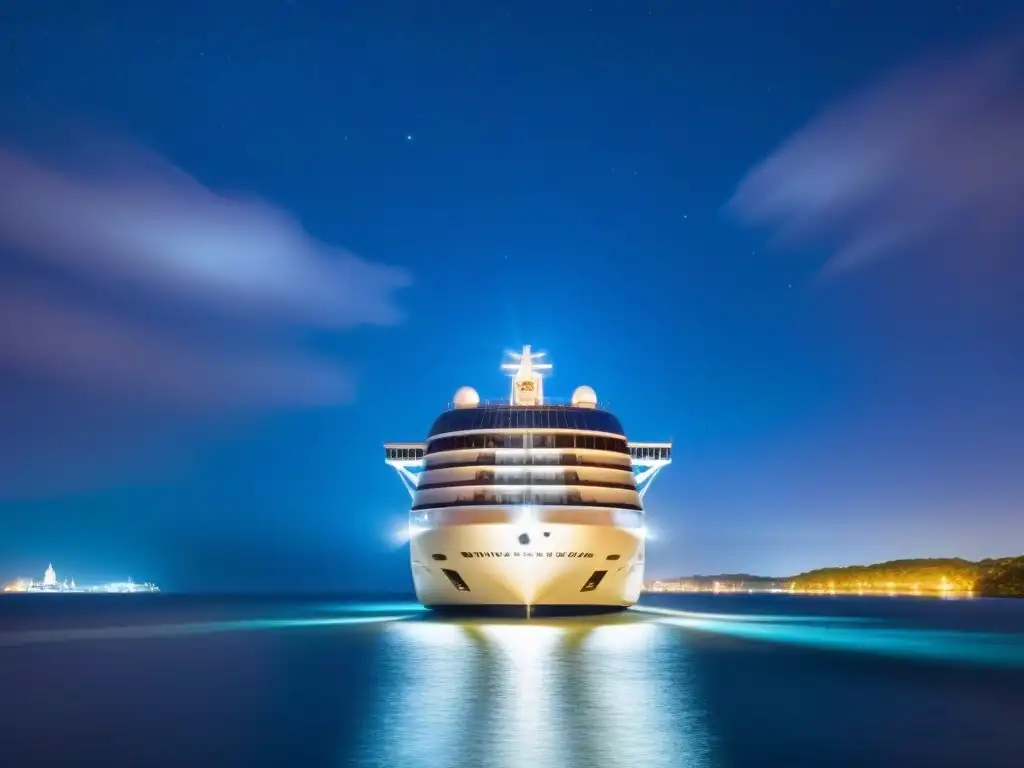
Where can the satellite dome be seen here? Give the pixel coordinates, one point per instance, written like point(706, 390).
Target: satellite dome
point(466, 397)
point(584, 397)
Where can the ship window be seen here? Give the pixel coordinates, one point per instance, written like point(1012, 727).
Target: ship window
point(445, 557)
point(593, 581)
point(456, 580)
point(491, 441)
point(610, 557)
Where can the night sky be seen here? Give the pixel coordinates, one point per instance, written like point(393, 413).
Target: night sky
point(244, 243)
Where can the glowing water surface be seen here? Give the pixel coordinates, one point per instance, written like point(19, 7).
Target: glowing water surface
point(671, 683)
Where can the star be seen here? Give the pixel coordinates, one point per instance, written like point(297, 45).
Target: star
point(408, 137)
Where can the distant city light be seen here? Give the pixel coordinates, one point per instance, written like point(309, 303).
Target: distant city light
point(50, 584)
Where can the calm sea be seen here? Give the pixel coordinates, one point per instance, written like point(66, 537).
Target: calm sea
point(704, 680)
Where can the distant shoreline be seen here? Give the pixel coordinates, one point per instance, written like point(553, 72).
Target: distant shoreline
point(994, 577)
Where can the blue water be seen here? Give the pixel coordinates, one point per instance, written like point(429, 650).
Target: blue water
point(702, 680)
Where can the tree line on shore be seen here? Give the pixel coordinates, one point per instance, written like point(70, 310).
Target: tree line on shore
point(993, 577)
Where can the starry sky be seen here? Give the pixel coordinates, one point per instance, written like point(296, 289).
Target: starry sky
point(243, 244)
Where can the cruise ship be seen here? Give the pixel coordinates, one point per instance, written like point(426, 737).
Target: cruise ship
point(525, 507)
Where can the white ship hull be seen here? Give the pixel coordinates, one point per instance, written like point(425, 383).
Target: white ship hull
point(554, 572)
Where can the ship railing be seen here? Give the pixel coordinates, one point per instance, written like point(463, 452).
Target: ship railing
point(549, 402)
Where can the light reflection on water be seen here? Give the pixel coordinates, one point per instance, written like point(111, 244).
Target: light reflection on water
point(388, 684)
point(505, 694)
point(183, 629)
point(608, 691)
point(998, 649)
point(658, 722)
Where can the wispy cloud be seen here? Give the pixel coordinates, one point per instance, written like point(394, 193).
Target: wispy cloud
point(138, 308)
point(118, 250)
point(933, 155)
point(104, 354)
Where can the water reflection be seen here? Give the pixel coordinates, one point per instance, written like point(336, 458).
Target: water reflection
point(183, 629)
point(609, 692)
point(639, 686)
point(998, 649)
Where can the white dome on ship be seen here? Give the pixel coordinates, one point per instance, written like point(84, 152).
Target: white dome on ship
point(584, 397)
point(466, 397)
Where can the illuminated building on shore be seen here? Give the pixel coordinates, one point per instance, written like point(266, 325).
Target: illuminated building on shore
point(50, 585)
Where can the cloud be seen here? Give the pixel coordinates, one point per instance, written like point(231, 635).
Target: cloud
point(107, 355)
point(132, 277)
point(931, 156)
point(139, 310)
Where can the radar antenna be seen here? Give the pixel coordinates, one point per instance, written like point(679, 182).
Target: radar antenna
point(527, 377)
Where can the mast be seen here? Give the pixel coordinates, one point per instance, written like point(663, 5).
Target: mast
point(527, 377)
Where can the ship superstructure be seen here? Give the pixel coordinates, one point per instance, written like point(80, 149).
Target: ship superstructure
point(526, 505)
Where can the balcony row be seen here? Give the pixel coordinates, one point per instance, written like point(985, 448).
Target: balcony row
point(488, 477)
point(622, 498)
point(499, 460)
point(496, 515)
